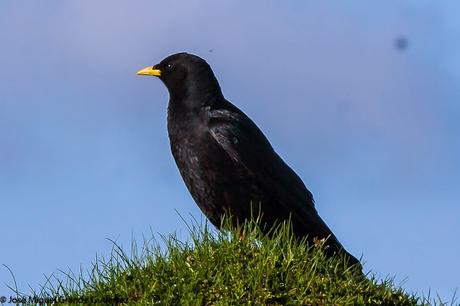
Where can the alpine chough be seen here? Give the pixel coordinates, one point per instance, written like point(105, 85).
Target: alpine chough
point(225, 160)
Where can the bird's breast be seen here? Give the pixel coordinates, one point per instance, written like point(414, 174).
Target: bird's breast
point(192, 155)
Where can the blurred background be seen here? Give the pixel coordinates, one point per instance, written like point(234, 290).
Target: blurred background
point(361, 99)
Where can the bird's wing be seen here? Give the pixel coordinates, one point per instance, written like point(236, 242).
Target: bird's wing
point(247, 146)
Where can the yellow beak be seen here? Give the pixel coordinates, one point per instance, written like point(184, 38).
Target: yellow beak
point(150, 71)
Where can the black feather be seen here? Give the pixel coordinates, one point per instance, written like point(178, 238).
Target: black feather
point(225, 160)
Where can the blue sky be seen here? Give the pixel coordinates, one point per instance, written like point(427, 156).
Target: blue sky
point(372, 131)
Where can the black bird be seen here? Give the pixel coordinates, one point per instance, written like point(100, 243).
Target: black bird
point(225, 160)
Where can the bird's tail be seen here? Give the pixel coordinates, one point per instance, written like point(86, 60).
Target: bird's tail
point(333, 247)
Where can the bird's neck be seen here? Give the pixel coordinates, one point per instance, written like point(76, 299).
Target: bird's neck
point(191, 108)
point(192, 99)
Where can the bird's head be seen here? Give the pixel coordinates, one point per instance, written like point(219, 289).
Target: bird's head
point(187, 77)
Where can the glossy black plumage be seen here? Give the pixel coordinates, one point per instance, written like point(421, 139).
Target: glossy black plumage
point(226, 161)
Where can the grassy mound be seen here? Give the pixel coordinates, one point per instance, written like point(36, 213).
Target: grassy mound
point(239, 267)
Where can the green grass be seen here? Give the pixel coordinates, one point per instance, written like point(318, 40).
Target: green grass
point(216, 268)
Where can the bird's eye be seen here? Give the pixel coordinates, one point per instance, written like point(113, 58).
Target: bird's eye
point(169, 66)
